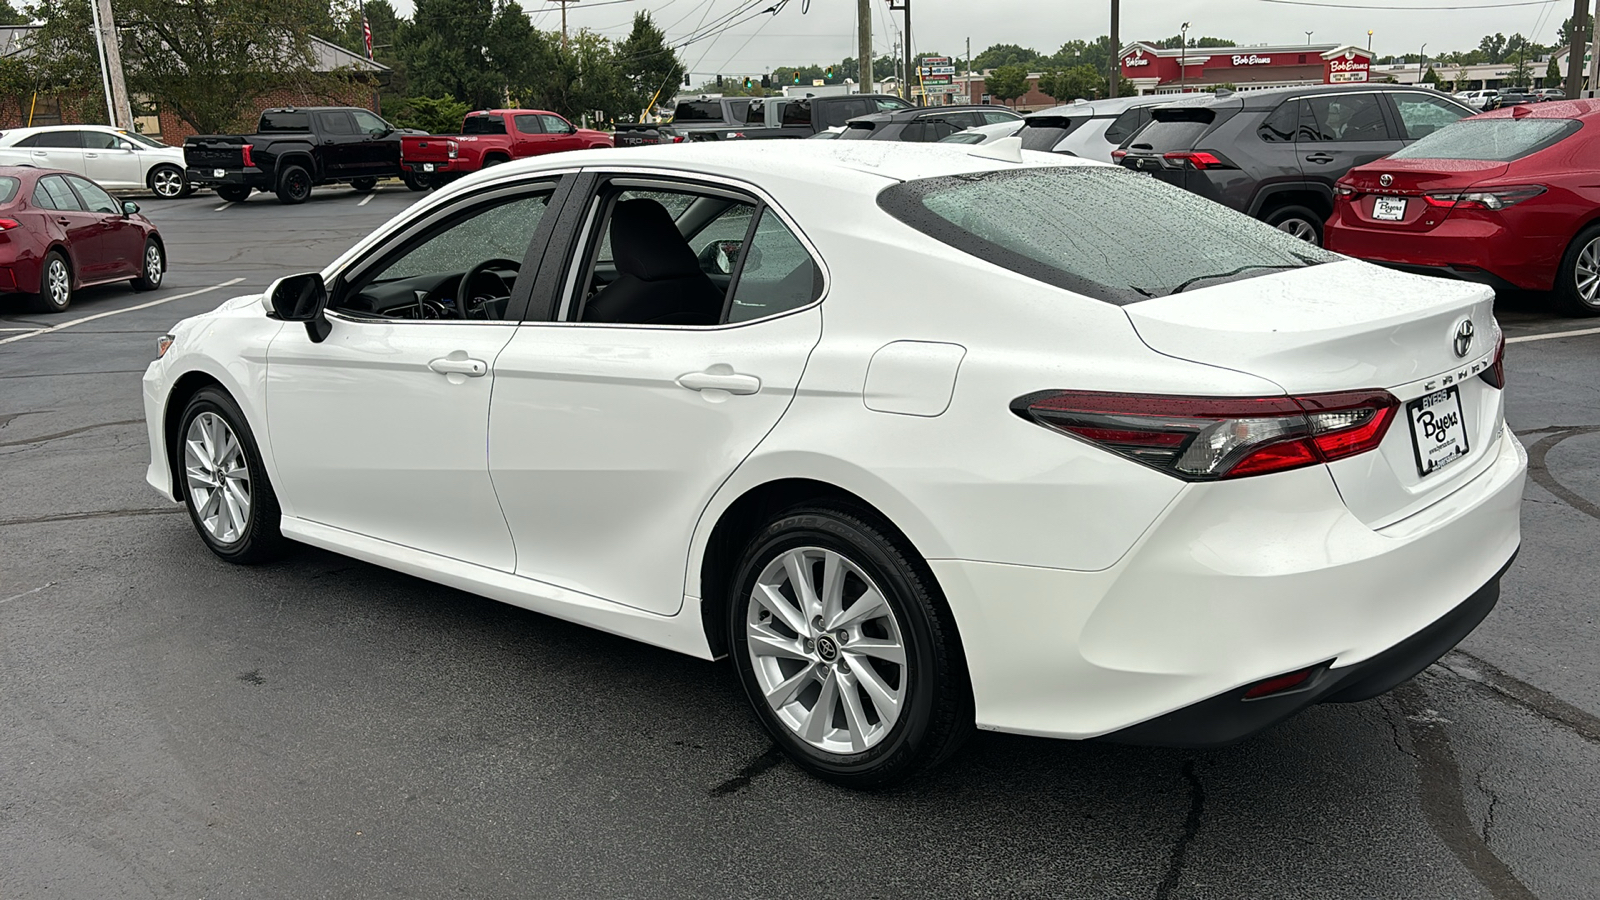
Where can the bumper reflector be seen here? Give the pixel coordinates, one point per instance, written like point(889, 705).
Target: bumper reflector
point(1278, 685)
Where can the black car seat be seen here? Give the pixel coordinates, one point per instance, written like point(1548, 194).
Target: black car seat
point(659, 280)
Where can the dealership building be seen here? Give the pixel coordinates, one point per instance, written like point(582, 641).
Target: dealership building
point(1157, 70)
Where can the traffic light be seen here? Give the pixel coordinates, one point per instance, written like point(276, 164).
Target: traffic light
point(747, 83)
point(686, 81)
point(796, 76)
point(766, 81)
point(828, 74)
point(719, 81)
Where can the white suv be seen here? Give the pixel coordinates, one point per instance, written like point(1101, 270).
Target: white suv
point(117, 159)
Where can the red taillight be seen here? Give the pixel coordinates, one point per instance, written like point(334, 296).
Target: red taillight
point(1207, 438)
point(452, 149)
point(678, 139)
point(1118, 155)
point(1499, 198)
point(1197, 159)
point(1495, 375)
point(248, 162)
point(8, 224)
point(1279, 684)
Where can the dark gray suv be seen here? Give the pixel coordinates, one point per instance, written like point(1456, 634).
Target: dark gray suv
point(1276, 154)
point(925, 124)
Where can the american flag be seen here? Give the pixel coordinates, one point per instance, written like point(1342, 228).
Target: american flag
point(366, 32)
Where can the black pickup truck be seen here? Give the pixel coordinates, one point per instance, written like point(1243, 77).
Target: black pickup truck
point(295, 149)
point(755, 118)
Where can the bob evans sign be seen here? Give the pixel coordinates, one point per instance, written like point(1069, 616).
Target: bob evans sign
point(1252, 60)
point(1347, 67)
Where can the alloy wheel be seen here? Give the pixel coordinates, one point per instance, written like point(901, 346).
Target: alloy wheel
point(60, 282)
point(1586, 273)
point(827, 650)
point(152, 265)
point(167, 183)
point(218, 477)
point(1299, 228)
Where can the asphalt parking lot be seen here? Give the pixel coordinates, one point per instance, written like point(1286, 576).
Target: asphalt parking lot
point(172, 726)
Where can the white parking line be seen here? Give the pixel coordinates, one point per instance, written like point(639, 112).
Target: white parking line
point(26, 593)
point(223, 206)
point(115, 312)
point(367, 199)
point(1552, 335)
point(19, 329)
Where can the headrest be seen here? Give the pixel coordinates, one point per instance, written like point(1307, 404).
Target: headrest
point(645, 243)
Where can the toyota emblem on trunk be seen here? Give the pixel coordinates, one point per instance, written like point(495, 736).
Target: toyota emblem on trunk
point(1464, 338)
point(1385, 180)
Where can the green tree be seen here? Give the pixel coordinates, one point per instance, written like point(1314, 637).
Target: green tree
point(1051, 84)
point(1431, 77)
point(1493, 47)
point(998, 55)
point(10, 16)
point(435, 115)
point(1553, 75)
point(1521, 72)
point(443, 49)
point(1007, 83)
point(648, 64)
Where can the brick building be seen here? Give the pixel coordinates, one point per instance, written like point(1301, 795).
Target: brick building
point(358, 86)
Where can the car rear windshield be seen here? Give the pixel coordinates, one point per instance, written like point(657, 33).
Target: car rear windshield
point(1490, 140)
point(8, 188)
point(483, 125)
point(1174, 129)
point(1100, 231)
point(698, 111)
point(284, 121)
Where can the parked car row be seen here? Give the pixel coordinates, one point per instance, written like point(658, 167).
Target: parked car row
point(111, 157)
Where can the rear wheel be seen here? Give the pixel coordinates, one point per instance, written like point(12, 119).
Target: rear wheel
point(1578, 283)
point(364, 185)
point(152, 267)
point(1297, 221)
point(233, 193)
point(230, 500)
point(417, 182)
point(294, 185)
point(845, 651)
point(55, 284)
point(494, 160)
point(169, 182)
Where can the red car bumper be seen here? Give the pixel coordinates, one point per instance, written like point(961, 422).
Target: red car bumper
point(1495, 249)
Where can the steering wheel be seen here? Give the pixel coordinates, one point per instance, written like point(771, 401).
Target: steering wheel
point(464, 294)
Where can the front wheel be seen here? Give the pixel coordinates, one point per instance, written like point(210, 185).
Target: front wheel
point(233, 193)
point(294, 185)
point(230, 500)
point(364, 185)
point(152, 267)
point(169, 183)
point(1299, 222)
point(845, 650)
point(1578, 282)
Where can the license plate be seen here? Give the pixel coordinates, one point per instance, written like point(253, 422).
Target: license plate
point(1390, 209)
point(219, 173)
point(427, 167)
point(1438, 431)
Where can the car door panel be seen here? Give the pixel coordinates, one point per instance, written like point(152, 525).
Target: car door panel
point(82, 228)
point(1339, 131)
point(120, 241)
point(111, 161)
point(341, 146)
point(606, 442)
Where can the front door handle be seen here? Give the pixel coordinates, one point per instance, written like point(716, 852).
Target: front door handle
point(1319, 158)
point(720, 378)
point(63, 220)
point(472, 368)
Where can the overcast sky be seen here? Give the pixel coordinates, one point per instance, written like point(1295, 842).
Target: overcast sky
point(827, 32)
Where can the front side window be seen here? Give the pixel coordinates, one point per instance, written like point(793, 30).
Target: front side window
point(56, 194)
point(556, 124)
point(890, 104)
point(1342, 118)
point(996, 117)
point(367, 123)
point(143, 140)
point(461, 269)
point(1099, 231)
point(1421, 115)
point(95, 199)
point(796, 112)
point(99, 140)
point(528, 124)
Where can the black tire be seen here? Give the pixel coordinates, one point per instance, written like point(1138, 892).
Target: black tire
point(259, 540)
point(364, 185)
point(936, 709)
point(417, 181)
point(233, 193)
point(493, 160)
point(294, 185)
point(151, 271)
point(55, 285)
point(1298, 221)
point(1568, 296)
point(169, 182)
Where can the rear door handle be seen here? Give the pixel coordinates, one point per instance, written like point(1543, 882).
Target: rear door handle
point(472, 368)
point(1319, 158)
point(720, 378)
point(63, 220)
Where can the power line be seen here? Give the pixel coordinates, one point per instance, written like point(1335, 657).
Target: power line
point(1408, 8)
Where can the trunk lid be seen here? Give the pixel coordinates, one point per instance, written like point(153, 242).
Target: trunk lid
point(1345, 326)
point(1400, 204)
point(214, 151)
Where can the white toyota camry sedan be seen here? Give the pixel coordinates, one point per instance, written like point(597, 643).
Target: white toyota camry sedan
point(922, 438)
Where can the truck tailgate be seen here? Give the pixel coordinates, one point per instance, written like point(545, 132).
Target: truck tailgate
point(214, 152)
point(430, 148)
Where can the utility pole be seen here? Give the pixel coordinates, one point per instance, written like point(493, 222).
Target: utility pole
point(563, 22)
point(1183, 52)
point(1580, 27)
point(117, 106)
point(105, 71)
point(1594, 51)
point(864, 47)
point(908, 54)
point(1115, 75)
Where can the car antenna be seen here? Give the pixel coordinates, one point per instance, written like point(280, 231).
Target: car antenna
point(1006, 149)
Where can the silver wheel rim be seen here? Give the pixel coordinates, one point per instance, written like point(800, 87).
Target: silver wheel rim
point(1299, 228)
point(60, 282)
point(152, 264)
point(1586, 273)
point(168, 182)
point(827, 650)
point(218, 477)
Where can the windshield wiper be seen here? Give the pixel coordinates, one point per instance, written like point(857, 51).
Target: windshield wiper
point(1179, 288)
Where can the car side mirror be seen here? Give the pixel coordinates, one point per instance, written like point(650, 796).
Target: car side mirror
point(720, 256)
point(129, 207)
point(302, 298)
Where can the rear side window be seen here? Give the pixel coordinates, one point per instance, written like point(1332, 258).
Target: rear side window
point(1278, 128)
point(53, 139)
point(1099, 231)
point(797, 112)
point(1176, 129)
point(528, 125)
point(1342, 118)
point(996, 117)
point(1491, 140)
point(8, 188)
point(284, 121)
point(58, 195)
point(838, 112)
point(1124, 126)
point(483, 125)
point(335, 123)
point(1044, 134)
point(777, 273)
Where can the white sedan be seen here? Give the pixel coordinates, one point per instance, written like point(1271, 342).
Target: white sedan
point(116, 159)
point(921, 437)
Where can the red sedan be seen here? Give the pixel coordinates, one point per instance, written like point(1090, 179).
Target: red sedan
point(60, 232)
point(1510, 198)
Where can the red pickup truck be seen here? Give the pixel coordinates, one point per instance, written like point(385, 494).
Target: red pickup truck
point(492, 136)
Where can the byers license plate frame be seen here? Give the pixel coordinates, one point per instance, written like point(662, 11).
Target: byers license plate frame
point(1438, 429)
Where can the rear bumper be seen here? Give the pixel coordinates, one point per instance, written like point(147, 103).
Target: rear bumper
point(1469, 249)
point(1237, 582)
point(452, 167)
point(250, 177)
